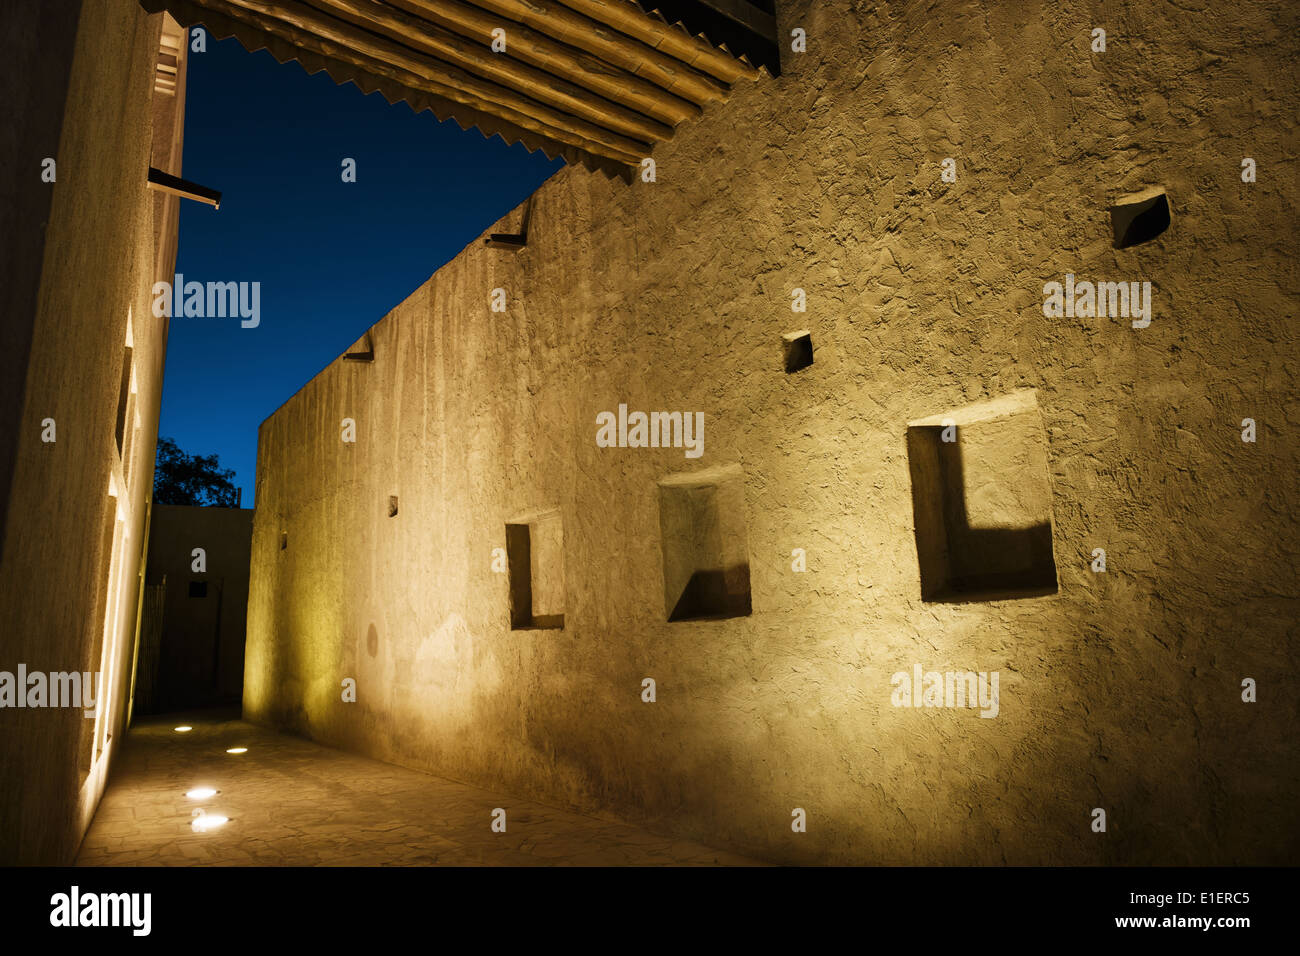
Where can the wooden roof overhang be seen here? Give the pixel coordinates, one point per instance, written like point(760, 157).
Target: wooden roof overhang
point(598, 82)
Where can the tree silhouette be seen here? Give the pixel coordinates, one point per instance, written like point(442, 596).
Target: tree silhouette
point(181, 479)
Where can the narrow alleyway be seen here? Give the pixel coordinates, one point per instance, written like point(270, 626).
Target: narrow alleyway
point(293, 802)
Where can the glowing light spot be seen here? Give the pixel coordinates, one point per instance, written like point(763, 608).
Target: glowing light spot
point(237, 750)
point(206, 821)
point(184, 729)
point(201, 793)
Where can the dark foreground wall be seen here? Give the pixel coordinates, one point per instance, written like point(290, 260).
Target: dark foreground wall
point(196, 604)
point(1119, 690)
point(80, 399)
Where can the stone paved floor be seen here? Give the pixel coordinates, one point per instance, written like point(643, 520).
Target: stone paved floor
point(297, 803)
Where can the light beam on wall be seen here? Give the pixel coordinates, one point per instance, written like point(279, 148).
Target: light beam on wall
point(207, 821)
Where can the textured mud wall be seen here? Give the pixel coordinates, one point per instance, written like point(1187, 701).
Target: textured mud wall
point(96, 261)
point(200, 658)
point(1121, 690)
point(36, 40)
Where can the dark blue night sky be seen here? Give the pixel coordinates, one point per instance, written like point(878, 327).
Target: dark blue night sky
point(332, 257)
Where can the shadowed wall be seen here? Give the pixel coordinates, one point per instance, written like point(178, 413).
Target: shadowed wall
point(77, 505)
point(1120, 690)
point(193, 653)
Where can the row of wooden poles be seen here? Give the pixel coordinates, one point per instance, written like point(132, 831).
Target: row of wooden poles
point(598, 75)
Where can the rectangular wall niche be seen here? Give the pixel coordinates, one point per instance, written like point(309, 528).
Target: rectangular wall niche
point(982, 502)
point(706, 557)
point(1139, 217)
point(535, 560)
point(797, 350)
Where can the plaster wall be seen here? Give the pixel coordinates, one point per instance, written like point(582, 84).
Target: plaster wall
point(199, 655)
point(1119, 690)
point(69, 569)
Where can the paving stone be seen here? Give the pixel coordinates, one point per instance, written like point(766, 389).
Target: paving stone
point(294, 802)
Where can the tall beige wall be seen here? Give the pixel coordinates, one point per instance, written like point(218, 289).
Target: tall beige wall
point(1121, 690)
point(196, 658)
point(37, 42)
point(71, 549)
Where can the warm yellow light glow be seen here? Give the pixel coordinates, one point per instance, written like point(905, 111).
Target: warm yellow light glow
point(201, 793)
point(184, 729)
point(206, 821)
point(237, 750)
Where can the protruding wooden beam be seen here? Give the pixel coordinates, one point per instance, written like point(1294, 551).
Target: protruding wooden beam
point(576, 64)
point(512, 240)
point(556, 20)
point(383, 58)
point(750, 17)
point(167, 183)
point(424, 36)
point(623, 15)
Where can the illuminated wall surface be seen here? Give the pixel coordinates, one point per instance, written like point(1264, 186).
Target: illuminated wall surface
point(1119, 689)
point(82, 367)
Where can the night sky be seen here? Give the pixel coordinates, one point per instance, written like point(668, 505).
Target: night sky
point(332, 257)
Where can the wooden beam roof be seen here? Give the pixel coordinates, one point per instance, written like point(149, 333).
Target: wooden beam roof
point(598, 82)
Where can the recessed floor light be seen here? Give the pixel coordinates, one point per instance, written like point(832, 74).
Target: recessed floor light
point(184, 729)
point(201, 793)
point(207, 821)
point(237, 750)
